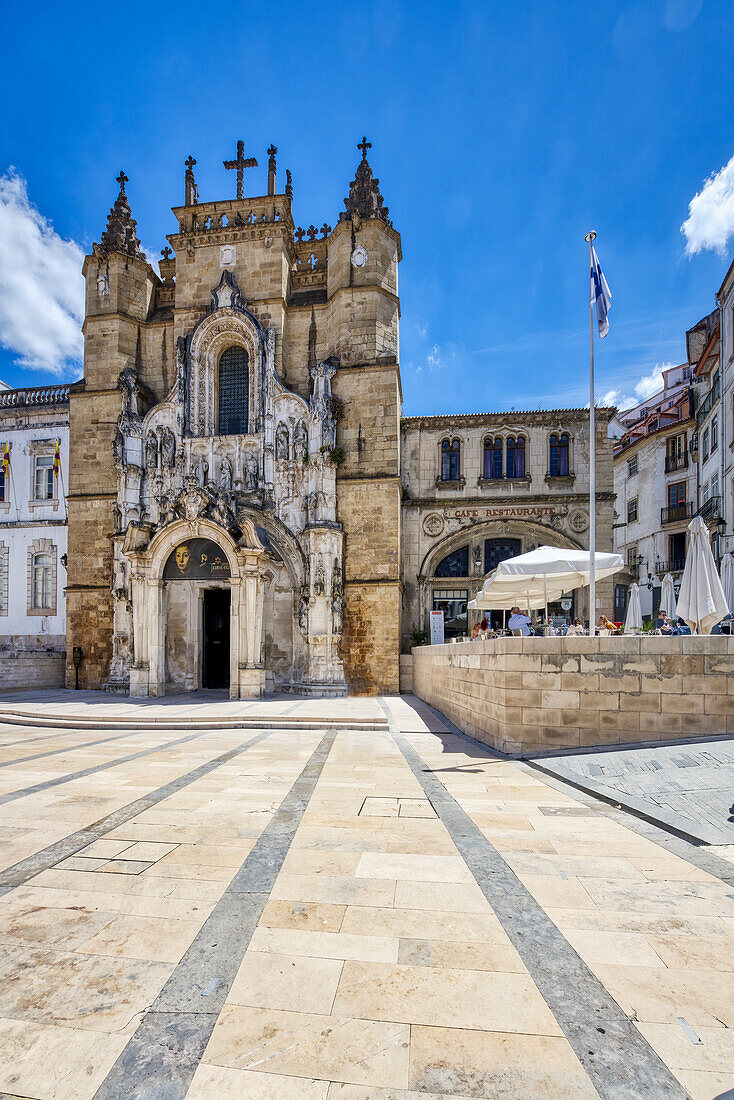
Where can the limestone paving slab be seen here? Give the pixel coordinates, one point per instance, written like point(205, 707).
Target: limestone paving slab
point(377, 968)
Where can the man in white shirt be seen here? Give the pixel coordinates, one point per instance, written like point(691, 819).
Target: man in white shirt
point(518, 623)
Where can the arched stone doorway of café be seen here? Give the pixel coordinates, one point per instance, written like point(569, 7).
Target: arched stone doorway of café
point(453, 571)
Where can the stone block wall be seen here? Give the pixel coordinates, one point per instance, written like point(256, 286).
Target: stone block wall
point(528, 695)
point(31, 670)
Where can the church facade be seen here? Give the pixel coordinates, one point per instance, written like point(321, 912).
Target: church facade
point(234, 488)
point(246, 509)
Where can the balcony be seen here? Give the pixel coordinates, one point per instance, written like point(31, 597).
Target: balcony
point(675, 566)
point(710, 510)
point(708, 403)
point(676, 462)
point(676, 513)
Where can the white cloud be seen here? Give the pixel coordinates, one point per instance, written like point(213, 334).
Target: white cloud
point(647, 386)
point(710, 221)
point(41, 285)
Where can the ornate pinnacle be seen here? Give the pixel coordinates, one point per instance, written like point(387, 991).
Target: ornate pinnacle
point(325, 230)
point(364, 199)
point(120, 234)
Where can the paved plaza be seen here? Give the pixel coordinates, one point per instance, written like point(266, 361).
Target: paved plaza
point(301, 898)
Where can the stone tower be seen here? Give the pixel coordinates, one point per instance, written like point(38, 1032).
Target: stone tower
point(244, 407)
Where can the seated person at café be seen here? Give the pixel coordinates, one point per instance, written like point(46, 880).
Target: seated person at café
point(607, 624)
point(663, 623)
point(518, 623)
point(574, 628)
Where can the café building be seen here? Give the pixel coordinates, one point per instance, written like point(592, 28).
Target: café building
point(480, 488)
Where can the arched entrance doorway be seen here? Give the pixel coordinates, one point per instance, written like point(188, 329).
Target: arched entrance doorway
point(453, 570)
point(198, 609)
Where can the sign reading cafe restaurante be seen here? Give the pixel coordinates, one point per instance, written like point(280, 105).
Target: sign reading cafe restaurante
point(197, 559)
point(510, 511)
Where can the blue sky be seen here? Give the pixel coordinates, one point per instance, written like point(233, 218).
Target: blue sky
point(501, 133)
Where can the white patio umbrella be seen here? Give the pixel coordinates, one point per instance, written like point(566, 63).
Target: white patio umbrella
point(701, 600)
point(667, 595)
point(727, 579)
point(633, 618)
point(547, 570)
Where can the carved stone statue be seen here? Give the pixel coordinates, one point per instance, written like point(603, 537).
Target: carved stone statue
point(328, 433)
point(281, 441)
point(251, 470)
point(168, 448)
point(319, 580)
point(221, 512)
point(201, 470)
point(477, 560)
point(303, 615)
point(118, 448)
point(181, 370)
point(337, 614)
point(225, 474)
point(151, 451)
point(301, 440)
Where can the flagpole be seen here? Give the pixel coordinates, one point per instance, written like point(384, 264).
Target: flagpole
point(590, 238)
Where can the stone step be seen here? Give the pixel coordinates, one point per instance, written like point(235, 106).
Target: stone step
point(249, 722)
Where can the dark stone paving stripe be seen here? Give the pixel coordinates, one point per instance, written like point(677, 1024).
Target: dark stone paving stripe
point(162, 1056)
point(693, 852)
point(23, 792)
point(20, 873)
point(619, 1061)
point(70, 748)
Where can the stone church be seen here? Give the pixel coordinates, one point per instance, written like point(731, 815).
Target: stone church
point(234, 492)
point(246, 509)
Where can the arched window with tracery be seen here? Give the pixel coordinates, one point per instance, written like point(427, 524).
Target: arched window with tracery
point(558, 459)
point(450, 460)
point(233, 393)
point(515, 456)
point(492, 458)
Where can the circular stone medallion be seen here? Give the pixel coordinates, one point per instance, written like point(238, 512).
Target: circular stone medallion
point(433, 524)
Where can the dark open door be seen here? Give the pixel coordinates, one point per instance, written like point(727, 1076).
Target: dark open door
point(216, 638)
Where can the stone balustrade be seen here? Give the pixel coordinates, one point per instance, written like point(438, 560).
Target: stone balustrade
point(528, 695)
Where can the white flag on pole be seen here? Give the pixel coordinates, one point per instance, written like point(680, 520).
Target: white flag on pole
point(600, 294)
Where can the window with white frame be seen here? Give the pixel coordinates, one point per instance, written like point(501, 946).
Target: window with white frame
point(42, 582)
point(632, 510)
point(706, 492)
point(714, 433)
point(715, 485)
point(631, 466)
point(705, 444)
point(43, 477)
point(41, 578)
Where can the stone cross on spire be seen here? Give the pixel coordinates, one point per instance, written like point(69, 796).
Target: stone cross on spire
point(364, 145)
point(240, 163)
point(122, 179)
point(120, 234)
point(190, 188)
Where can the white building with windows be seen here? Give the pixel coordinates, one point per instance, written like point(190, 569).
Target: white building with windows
point(725, 299)
point(655, 481)
point(34, 421)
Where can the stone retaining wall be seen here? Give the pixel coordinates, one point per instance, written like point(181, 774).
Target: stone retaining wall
point(31, 670)
point(539, 694)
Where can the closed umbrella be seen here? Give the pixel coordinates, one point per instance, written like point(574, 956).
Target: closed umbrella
point(727, 579)
point(701, 600)
point(667, 596)
point(633, 618)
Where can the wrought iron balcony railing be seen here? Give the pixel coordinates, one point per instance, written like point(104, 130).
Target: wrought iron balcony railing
point(676, 462)
point(710, 510)
point(708, 402)
point(677, 565)
point(675, 513)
